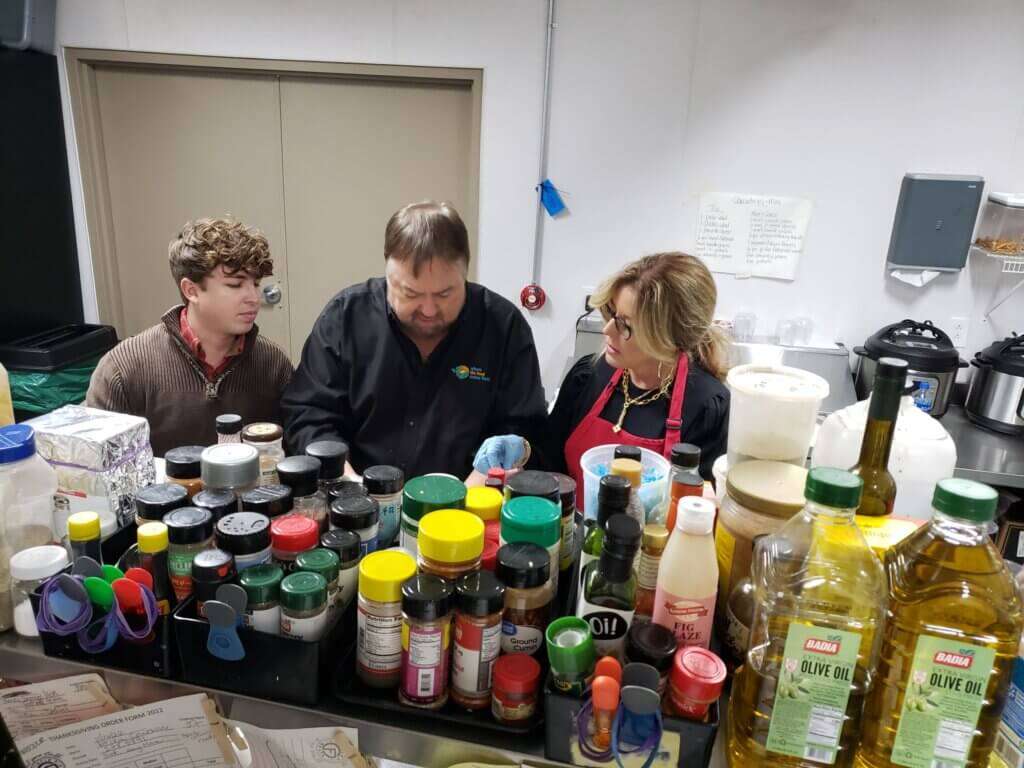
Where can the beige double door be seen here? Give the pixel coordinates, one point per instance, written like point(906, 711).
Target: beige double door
point(318, 162)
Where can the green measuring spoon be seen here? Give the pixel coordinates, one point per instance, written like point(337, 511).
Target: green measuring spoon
point(112, 573)
point(101, 594)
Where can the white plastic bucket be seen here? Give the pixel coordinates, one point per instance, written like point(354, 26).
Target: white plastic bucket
point(596, 463)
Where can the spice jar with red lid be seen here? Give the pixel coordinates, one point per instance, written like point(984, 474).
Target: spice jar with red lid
point(514, 693)
point(696, 682)
point(291, 534)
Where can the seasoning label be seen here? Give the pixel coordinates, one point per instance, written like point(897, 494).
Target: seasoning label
point(407, 538)
point(647, 571)
point(520, 638)
point(476, 650)
point(390, 516)
point(266, 620)
point(424, 661)
point(568, 535)
point(379, 647)
point(348, 585)
point(689, 618)
point(309, 629)
point(945, 692)
point(179, 567)
point(256, 558)
point(607, 625)
point(813, 690)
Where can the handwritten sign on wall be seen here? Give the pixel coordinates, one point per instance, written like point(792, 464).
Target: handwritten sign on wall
point(752, 235)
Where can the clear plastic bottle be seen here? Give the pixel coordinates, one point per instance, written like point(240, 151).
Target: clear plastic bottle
point(814, 639)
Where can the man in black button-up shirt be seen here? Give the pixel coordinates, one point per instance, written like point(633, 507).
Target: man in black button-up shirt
point(417, 368)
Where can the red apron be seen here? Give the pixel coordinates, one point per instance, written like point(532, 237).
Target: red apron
point(593, 430)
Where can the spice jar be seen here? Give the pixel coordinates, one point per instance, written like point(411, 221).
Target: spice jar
point(218, 502)
point(571, 653)
point(182, 466)
point(479, 601)
point(489, 557)
point(379, 636)
point(326, 563)
point(514, 695)
point(347, 547)
point(246, 535)
point(385, 483)
point(359, 514)
point(303, 606)
point(229, 428)
point(695, 682)
point(302, 475)
point(652, 547)
point(270, 500)
point(525, 570)
point(532, 482)
point(495, 479)
point(567, 503)
point(230, 467)
point(262, 585)
point(29, 569)
point(342, 489)
point(155, 501)
point(210, 569)
point(332, 455)
point(426, 641)
point(268, 440)
point(290, 535)
point(534, 520)
point(484, 502)
point(652, 644)
point(423, 495)
point(450, 543)
point(84, 536)
point(189, 532)
point(153, 557)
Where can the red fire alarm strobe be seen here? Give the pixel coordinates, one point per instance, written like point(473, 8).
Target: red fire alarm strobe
point(532, 296)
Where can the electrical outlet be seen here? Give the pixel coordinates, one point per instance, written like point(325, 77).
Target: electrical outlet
point(958, 328)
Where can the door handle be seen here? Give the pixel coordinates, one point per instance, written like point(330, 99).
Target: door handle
point(272, 294)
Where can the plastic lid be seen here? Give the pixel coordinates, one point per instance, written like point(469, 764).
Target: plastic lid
point(213, 566)
point(604, 693)
point(354, 513)
point(484, 502)
point(1009, 199)
point(769, 487)
point(262, 432)
point(496, 473)
point(567, 490)
point(243, 533)
point(655, 538)
point(833, 488)
point(230, 465)
point(516, 673)
point(698, 674)
point(570, 647)
point(921, 344)
point(523, 565)
point(152, 538)
point(37, 563)
point(492, 530)
point(262, 583)
point(183, 463)
point(219, 502)
point(381, 575)
point(532, 482)
point(608, 666)
point(269, 500)
point(423, 495)
point(294, 533)
point(383, 480)
point(155, 501)
point(188, 525)
point(303, 591)
point(300, 473)
point(83, 526)
point(320, 560)
point(332, 455)
point(622, 537)
point(695, 515)
point(627, 452)
point(685, 455)
point(651, 644)
point(529, 518)
point(612, 496)
point(229, 424)
point(630, 469)
point(451, 536)
point(1006, 356)
point(965, 499)
point(345, 488)
point(479, 594)
point(489, 557)
point(17, 442)
point(426, 597)
point(345, 543)
point(778, 383)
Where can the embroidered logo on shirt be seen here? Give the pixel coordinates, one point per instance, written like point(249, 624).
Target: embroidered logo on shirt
point(470, 372)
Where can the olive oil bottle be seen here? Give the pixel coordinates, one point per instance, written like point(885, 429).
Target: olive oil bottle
point(951, 635)
point(873, 465)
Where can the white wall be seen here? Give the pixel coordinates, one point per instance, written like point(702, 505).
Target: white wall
point(656, 101)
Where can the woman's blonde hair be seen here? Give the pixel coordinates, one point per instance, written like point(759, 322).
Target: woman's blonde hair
point(675, 304)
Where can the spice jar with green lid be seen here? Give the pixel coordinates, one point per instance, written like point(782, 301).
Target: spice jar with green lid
point(450, 543)
point(379, 639)
point(304, 606)
point(326, 563)
point(262, 585)
point(423, 495)
point(347, 546)
point(537, 521)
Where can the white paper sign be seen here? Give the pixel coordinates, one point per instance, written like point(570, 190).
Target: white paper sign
point(31, 709)
point(752, 235)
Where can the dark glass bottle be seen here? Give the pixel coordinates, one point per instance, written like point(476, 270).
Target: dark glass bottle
point(612, 499)
point(609, 587)
point(873, 466)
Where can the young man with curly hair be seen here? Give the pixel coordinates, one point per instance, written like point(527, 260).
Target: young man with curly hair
point(206, 357)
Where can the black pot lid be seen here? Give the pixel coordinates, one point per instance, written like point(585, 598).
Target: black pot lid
point(922, 345)
point(1006, 356)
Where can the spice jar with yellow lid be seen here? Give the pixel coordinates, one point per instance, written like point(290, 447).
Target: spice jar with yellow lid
point(379, 638)
point(652, 547)
point(484, 502)
point(450, 543)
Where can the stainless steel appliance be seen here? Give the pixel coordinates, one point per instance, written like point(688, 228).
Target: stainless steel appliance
point(996, 397)
point(929, 352)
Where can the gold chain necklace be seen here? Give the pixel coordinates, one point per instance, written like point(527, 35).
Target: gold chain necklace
point(647, 397)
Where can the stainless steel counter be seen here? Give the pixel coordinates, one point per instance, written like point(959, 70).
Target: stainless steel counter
point(985, 456)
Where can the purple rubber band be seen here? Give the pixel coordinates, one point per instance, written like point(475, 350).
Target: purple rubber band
point(47, 622)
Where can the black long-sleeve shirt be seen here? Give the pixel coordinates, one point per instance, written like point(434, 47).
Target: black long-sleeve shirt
point(705, 421)
point(362, 380)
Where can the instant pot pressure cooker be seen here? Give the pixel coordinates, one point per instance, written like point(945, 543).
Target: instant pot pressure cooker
point(996, 397)
point(929, 352)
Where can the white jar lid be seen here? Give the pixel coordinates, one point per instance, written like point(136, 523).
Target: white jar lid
point(777, 382)
point(37, 563)
point(1009, 199)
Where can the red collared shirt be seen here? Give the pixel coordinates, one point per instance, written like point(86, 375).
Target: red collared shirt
point(197, 349)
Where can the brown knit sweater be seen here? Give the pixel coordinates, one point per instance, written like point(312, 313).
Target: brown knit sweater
point(154, 374)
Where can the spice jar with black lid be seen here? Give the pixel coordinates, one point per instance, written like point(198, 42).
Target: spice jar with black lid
point(246, 535)
point(426, 639)
point(182, 466)
point(229, 428)
point(332, 455)
point(155, 501)
point(218, 502)
point(270, 500)
point(359, 514)
point(210, 569)
point(479, 602)
point(302, 475)
point(525, 570)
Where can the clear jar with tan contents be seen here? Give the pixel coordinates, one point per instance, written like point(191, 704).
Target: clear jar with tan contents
point(268, 440)
point(184, 467)
point(451, 542)
point(525, 570)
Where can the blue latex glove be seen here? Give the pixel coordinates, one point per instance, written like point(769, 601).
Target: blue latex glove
point(505, 451)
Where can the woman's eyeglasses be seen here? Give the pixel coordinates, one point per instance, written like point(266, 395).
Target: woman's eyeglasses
point(622, 326)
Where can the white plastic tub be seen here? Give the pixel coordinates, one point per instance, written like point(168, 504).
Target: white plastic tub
point(596, 463)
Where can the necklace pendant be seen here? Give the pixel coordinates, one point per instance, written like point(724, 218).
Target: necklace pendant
point(617, 428)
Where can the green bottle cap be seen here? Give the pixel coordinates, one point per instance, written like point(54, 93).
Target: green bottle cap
point(303, 591)
point(833, 488)
point(965, 499)
point(570, 648)
point(532, 519)
point(262, 583)
point(323, 561)
point(426, 494)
